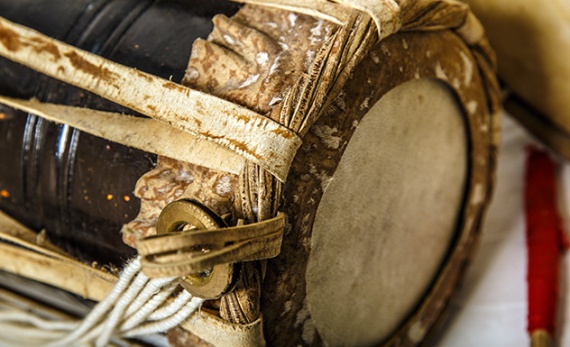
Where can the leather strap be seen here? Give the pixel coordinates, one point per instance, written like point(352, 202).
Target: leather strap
point(175, 254)
point(247, 133)
point(27, 255)
point(143, 133)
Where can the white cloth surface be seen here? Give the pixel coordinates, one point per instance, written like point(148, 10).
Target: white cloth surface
point(491, 309)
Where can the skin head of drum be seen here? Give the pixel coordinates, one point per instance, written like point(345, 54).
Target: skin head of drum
point(388, 214)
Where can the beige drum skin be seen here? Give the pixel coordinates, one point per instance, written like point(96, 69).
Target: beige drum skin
point(389, 214)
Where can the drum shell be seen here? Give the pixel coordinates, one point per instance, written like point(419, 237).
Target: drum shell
point(76, 186)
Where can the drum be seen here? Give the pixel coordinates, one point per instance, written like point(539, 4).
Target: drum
point(395, 107)
point(530, 39)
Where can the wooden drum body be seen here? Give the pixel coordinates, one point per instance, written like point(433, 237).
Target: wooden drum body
point(397, 108)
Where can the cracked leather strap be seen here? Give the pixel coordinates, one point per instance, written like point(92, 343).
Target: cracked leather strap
point(247, 133)
point(143, 133)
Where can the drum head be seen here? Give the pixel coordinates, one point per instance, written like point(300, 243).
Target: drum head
point(386, 220)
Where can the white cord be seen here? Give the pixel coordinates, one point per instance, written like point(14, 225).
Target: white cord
point(25, 317)
point(144, 312)
point(168, 323)
point(124, 280)
point(136, 306)
point(120, 308)
point(151, 290)
point(164, 312)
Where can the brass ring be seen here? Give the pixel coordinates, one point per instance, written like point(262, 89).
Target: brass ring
point(184, 215)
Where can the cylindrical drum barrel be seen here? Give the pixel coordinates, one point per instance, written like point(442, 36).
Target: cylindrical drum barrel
point(357, 236)
point(76, 186)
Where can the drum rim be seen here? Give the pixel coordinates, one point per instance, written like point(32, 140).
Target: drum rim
point(478, 186)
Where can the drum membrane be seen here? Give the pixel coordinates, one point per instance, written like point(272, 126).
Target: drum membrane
point(389, 215)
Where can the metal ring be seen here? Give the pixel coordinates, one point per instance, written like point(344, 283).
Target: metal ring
point(184, 215)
